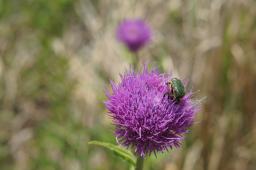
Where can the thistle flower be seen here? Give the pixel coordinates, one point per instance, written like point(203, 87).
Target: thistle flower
point(133, 33)
point(147, 120)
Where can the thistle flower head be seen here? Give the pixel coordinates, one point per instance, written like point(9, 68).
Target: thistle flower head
point(133, 33)
point(147, 120)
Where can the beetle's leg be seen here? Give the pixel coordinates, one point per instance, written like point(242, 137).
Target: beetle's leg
point(169, 96)
point(177, 100)
point(167, 93)
point(173, 94)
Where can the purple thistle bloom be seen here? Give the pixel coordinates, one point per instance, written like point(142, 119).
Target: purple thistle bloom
point(145, 118)
point(133, 33)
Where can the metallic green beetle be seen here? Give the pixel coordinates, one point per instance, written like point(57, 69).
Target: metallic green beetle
point(177, 89)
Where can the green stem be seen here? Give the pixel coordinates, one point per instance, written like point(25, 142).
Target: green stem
point(135, 60)
point(139, 163)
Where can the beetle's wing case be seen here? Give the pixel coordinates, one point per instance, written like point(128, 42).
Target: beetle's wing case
point(178, 88)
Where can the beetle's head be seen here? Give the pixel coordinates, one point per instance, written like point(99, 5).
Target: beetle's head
point(168, 83)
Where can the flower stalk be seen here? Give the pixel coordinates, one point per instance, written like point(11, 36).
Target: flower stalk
point(135, 61)
point(139, 163)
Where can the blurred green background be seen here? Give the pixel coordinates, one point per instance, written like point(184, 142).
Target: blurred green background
point(57, 58)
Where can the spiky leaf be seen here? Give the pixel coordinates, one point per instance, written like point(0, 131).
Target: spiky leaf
point(121, 152)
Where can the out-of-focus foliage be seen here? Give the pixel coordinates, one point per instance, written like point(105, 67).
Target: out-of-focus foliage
point(57, 57)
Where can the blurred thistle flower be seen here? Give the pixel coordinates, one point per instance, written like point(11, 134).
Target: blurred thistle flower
point(145, 118)
point(134, 33)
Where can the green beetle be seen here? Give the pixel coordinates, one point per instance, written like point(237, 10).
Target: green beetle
point(177, 89)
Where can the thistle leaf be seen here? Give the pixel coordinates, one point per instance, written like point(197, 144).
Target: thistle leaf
point(121, 152)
